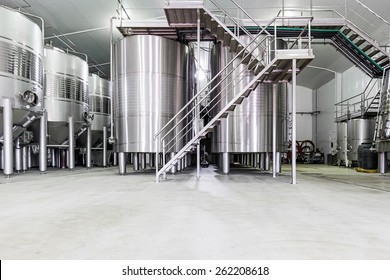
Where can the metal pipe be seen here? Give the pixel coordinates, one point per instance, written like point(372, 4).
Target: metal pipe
point(71, 143)
point(274, 106)
point(115, 159)
point(24, 158)
point(294, 123)
point(18, 155)
point(111, 78)
point(53, 157)
point(135, 162)
point(143, 160)
point(266, 161)
point(174, 166)
point(225, 163)
point(8, 168)
point(122, 163)
point(89, 146)
point(382, 162)
point(104, 146)
point(29, 159)
point(43, 142)
point(198, 159)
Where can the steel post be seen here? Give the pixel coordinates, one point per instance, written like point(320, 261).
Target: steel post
point(8, 148)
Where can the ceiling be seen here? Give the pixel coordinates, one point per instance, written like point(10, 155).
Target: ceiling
point(90, 20)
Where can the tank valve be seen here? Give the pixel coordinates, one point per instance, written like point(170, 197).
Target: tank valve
point(29, 97)
point(111, 140)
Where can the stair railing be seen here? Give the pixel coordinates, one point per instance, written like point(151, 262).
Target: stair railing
point(180, 126)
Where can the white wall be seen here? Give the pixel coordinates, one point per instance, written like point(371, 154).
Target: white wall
point(354, 81)
point(304, 104)
point(325, 96)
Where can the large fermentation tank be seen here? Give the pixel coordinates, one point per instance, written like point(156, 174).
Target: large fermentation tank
point(21, 66)
point(359, 131)
point(150, 87)
point(21, 84)
point(99, 107)
point(66, 93)
point(249, 128)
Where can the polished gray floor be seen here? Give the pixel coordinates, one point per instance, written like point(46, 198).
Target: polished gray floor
point(333, 213)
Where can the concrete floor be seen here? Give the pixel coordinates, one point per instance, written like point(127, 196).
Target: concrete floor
point(333, 213)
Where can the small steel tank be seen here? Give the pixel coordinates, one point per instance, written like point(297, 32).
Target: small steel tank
point(21, 79)
point(359, 131)
point(150, 87)
point(248, 130)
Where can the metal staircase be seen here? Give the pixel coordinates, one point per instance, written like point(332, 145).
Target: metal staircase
point(261, 56)
point(362, 105)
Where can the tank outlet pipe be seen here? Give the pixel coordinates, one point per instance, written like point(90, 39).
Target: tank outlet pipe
point(8, 148)
point(71, 142)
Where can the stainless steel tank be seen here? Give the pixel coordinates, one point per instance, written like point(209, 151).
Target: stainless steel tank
point(342, 143)
point(66, 93)
point(249, 128)
point(359, 131)
point(21, 66)
point(99, 106)
point(150, 87)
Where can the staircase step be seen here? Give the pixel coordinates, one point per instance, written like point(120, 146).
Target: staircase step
point(374, 53)
point(220, 33)
point(258, 69)
point(384, 63)
point(239, 100)
point(382, 57)
point(358, 43)
point(233, 45)
point(247, 57)
point(232, 107)
point(210, 129)
point(207, 21)
point(353, 37)
point(252, 63)
point(213, 26)
point(226, 39)
point(346, 31)
point(366, 48)
point(224, 115)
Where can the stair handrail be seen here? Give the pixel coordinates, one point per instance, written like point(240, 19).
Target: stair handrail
point(349, 23)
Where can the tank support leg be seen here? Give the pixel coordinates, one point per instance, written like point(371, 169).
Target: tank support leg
point(104, 161)
point(18, 156)
point(225, 163)
point(89, 147)
point(71, 143)
point(382, 158)
point(43, 143)
point(8, 148)
point(122, 158)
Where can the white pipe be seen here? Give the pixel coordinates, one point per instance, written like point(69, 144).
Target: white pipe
point(89, 146)
point(104, 146)
point(71, 143)
point(8, 148)
point(294, 123)
point(274, 104)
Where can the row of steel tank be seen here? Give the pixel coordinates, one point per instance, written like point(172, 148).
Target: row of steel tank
point(153, 79)
point(45, 102)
